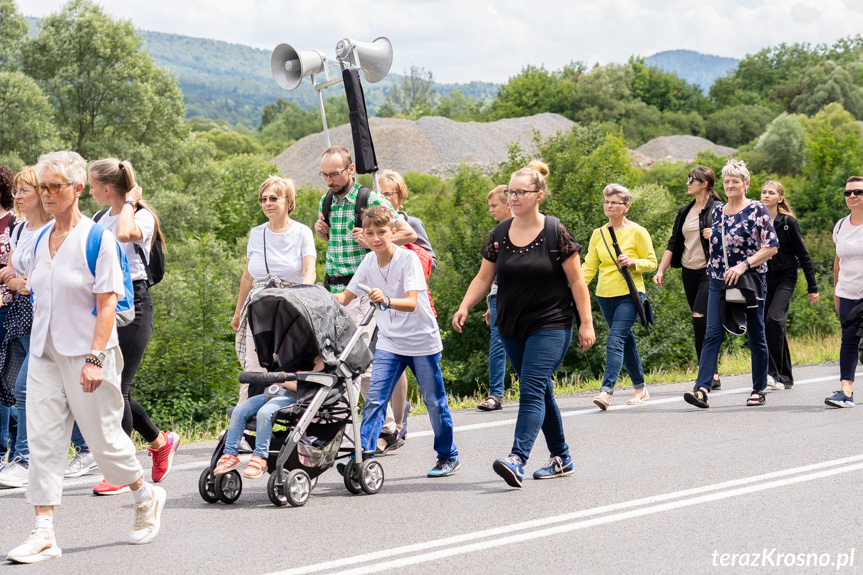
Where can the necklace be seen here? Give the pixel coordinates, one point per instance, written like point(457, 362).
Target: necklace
point(56, 237)
point(385, 275)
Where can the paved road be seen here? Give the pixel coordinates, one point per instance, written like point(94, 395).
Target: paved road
point(658, 488)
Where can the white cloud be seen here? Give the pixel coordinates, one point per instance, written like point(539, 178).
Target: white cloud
point(463, 40)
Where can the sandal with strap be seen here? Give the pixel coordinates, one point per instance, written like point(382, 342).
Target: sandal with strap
point(491, 404)
point(755, 398)
point(227, 463)
point(256, 467)
point(698, 398)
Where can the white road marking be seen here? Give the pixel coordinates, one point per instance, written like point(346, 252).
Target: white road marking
point(525, 531)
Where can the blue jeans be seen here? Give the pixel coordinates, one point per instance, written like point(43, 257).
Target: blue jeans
point(848, 350)
point(256, 406)
point(496, 354)
point(8, 426)
point(22, 450)
point(716, 333)
point(535, 360)
point(620, 349)
point(78, 440)
point(386, 371)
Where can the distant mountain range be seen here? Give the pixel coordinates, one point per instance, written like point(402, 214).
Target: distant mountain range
point(232, 82)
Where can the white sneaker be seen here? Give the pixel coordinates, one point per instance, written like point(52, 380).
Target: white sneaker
point(40, 545)
point(81, 464)
point(148, 518)
point(773, 384)
point(14, 474)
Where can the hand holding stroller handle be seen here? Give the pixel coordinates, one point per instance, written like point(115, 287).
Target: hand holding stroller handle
point(266, 378)
point(366, 289)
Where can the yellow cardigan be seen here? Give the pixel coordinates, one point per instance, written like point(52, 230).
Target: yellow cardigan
point(634, 241)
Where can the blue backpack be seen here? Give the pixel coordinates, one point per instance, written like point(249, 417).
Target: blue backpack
point(125, 311)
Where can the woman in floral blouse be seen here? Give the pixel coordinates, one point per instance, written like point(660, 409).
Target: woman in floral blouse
point(750, 241)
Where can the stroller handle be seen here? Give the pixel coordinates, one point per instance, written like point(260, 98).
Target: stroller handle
point(267, 378)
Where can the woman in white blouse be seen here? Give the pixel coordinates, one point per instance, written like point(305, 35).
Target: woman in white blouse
point(75, 361)
point(281, 252)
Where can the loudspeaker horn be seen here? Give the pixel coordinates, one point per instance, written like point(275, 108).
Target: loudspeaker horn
point(375, 58)
point(289, 66)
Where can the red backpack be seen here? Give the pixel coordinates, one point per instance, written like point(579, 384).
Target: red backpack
point(426, 263)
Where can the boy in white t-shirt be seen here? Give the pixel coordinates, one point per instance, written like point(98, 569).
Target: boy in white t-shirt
point(408, 336)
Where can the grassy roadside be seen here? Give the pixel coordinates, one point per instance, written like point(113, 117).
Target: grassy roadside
point(806, 350)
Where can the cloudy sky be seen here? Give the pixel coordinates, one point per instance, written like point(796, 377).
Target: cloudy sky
point(464, 40)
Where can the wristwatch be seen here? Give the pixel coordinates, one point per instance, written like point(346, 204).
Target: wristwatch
point(97, 359)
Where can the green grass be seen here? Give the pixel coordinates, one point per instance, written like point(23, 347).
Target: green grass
point(807, 349)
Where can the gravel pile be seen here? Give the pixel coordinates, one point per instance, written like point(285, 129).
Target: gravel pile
point(431, 145)
point(674, 149)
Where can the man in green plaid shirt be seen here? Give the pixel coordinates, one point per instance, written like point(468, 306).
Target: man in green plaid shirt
point(346, 248)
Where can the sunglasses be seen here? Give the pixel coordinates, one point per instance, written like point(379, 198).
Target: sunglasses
point(53, 188)
point(857, 193)
point(690, 179)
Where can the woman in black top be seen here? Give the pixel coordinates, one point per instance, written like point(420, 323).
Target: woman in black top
point(689, 250)
point(534, 315)
point(781, 281)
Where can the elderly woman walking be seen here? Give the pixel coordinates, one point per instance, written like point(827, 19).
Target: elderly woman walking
point(742, 239)
point(612, 289)
point(75, 360)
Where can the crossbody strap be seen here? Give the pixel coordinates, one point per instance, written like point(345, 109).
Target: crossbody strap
point(613, 257)
point(266, 265)
point(724, 251)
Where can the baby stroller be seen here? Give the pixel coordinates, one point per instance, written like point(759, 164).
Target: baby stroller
point(290, 327)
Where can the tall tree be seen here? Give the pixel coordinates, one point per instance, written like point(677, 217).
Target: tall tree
point(108, 95)
point(26, 130)
point(412, 97)
point(13, 28)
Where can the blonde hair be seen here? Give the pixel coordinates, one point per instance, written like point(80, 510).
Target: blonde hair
point(617, 190)
point(29, 176)
point(498, 192)
point(395, 183)
point(736, 169)
point(536, 171)
point(283, 187)
point(120, 175)
point(783, 207)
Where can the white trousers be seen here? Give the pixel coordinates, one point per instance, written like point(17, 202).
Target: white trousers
point(55, 399)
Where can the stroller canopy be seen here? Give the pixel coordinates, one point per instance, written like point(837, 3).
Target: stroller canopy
point(293, 325)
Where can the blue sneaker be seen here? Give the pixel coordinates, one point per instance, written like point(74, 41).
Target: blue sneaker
point(444, 468)
point(511, 469)
point(557, 467)
point(839, 399)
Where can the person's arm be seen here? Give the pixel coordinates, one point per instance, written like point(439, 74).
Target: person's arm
point(7, 272)
point(581, 296)
point(663, 265)
point(479, 286)
point(309, 270)
point(591, 261)
point(646, 260)
point(127, 229)
point(836, 282)
point(404, 234)
point(407, 303)
point(799, 249)
point(344, 297)
point(732, 275)
point(91, 374)
point(245, 289)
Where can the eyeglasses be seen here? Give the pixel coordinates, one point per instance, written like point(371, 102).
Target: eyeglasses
point(857, 193)
point(269, 200)
point(520, 193)
point(53, 188)
point(334, 175)
point(22, 191)
point(388, 195)
point(610, 203)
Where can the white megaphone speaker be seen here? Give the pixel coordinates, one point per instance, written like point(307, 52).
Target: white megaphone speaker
point(373, 58)
point(289, 66)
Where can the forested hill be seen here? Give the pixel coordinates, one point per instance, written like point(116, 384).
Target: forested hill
point(694, 67)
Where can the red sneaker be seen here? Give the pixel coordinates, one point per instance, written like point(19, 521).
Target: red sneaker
point(163, 457)
point(106, 488)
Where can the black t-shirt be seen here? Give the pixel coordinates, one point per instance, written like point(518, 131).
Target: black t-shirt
point(532, 291)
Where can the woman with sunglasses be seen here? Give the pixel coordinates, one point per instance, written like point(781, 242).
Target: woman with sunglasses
point(281, 252)
point(612, 290)
point(538, 294)
point(689, 250)
point(848, 279)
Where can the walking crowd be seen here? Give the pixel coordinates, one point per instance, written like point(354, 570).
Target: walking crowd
point(76, 314)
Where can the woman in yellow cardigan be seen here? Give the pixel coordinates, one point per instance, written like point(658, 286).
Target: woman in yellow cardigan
point(612, 292)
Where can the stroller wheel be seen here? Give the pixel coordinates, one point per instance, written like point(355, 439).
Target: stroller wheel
point(276, 490)
point(352, 479)
point(207, 486)
point(229, 487)
point(371, 476)
point(298, 486)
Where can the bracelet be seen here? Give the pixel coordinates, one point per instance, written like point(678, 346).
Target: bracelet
point(93, 360)
point(130, 202)
point(387, 305)
point(748, 264)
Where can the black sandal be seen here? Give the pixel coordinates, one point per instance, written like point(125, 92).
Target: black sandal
point(698, 397)
point(756, 398)
point(491, 404)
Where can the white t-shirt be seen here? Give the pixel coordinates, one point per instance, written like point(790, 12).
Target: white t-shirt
point(849, 247)
point(285, 252)
point(413, 333)
point(22, 247)
point(64, 291)
point(147, 223)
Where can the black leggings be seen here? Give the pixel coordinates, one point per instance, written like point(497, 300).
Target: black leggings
point(696, 284)
point(133, 342)
point(780, 288)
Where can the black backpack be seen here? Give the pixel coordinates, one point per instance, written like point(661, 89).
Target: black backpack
point(551, 237)
point(362, 203)
point(156, 266)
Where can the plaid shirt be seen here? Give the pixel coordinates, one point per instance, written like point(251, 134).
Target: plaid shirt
point(344, 255)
